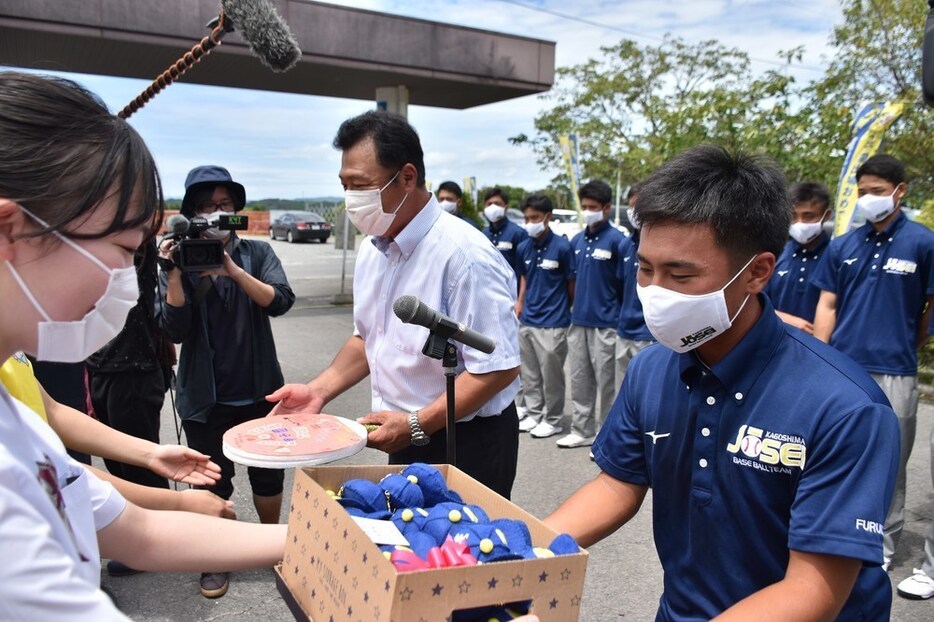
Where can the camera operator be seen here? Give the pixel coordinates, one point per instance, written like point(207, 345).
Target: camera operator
point(228, 359)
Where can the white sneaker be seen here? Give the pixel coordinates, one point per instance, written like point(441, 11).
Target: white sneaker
point(522, 412)
point(574, 440)
point(918, 586)
point(527, 425)
point(544, 430)
point(886, 563)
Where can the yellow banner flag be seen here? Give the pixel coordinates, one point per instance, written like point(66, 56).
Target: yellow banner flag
point(870, 124)
point(568, 143)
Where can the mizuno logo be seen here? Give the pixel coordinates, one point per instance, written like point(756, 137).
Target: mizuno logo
point(850, 262)
point(782, 272)
point(528, 261)
point(655, 436)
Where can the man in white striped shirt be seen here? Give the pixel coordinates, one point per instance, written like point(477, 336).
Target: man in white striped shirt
point(414, 248)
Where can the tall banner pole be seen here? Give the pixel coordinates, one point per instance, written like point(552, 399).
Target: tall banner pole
point(569, 153)
point(868, 127)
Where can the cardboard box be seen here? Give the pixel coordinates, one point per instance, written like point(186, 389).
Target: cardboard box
point(333, 572)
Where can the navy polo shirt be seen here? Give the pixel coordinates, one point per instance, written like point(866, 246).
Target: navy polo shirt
point(774, 448)
point(547, 266)
point(631, 324)
point(597, 291)
point(506, 236)
point(882, 281)
point(791, 288)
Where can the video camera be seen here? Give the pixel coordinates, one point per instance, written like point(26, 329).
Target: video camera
point(194, 254)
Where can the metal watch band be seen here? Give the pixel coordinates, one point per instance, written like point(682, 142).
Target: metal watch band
point(419, 438)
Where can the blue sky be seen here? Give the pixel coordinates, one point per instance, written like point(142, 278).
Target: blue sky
point(278, 145)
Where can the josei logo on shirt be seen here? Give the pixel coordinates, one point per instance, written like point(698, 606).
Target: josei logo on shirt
point(767, 451)
point(602, 254)
point(900, 266)
point(503, 245)
point(549, 264)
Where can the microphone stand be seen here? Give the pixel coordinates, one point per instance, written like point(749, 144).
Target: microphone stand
point(439, 346)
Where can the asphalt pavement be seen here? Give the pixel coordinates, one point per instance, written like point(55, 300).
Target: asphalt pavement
point(624, 577)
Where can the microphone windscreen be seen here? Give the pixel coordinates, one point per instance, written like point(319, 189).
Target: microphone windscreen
point(177, 224)
point(266, 33)
point(405, 308)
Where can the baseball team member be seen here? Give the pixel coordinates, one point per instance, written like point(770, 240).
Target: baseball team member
point(791, 289)
point(631, 331)
point(877, 285)
point(758, 441)
point(546, 292)
point(592, 336)
point(502, 232)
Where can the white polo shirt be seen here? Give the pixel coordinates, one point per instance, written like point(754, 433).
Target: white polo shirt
point(453, 268)
point(50, 511)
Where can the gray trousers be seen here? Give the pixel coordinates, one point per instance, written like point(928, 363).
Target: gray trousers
point(543, 351)
point(592, 352)
point(902, 392)
point(928, 566)
point(625, 350)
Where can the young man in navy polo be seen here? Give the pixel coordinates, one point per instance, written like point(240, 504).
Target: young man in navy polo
point(758, 441)
point(546, 292)
point(502, 232)
point(592, 336)
point(791, 288)
point(631, 331)
point(450, 199)
point(878, 284)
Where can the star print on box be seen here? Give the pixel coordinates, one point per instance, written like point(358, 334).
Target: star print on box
point(576, 600)
point(543, 577)
point(406, 594)
point(464, 587)
point(517, 581)
point(565, 574)
point(491, 584)
point(436, 590)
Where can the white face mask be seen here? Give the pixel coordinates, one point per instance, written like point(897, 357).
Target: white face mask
point(682, 322)
point(534, 229)
point(592, 218)
point(365, 209)
point(876, 208)
point(631, 215)
point(449, 206)
point(72, 342)
point(494, 212)
point(804, 232)
point(213, 233)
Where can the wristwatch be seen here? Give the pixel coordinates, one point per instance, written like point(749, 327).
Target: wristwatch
point(419, 438)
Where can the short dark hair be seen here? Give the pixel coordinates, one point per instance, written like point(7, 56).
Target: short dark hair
point(496, 191)
point(809, 191)
point(452, 187)
point(742, 196)
point(62, 153)
point(538, 202)
point(885, 166)
point(396, 141)
point(596, 190)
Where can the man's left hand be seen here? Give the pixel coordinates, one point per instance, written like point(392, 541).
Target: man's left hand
point(229, 268)
point(393, 434)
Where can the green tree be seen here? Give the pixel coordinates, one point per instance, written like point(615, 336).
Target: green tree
point(638, 105)
point(877, 57)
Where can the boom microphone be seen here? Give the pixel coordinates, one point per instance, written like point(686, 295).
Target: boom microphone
point(177, 225)
point(410, 310)
point(265, 32)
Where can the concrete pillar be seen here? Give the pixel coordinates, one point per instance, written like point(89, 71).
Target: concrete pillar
point(393, 99)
